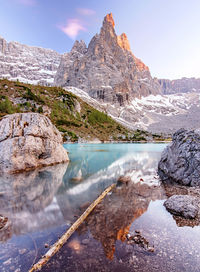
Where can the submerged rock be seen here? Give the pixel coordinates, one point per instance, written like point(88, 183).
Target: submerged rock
point(182, 205)
point(27, 141)
point(180, 161)
point(123, 180)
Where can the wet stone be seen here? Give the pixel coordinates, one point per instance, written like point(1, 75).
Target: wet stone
point(85, 241)
point(22, 251)
point(8, 262)
point(182, 205)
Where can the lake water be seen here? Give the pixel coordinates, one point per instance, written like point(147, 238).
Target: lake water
point(42, 204)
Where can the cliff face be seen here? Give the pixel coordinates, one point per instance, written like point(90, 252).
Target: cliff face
point(107, 69)
point(183, 85)
point(27, 63)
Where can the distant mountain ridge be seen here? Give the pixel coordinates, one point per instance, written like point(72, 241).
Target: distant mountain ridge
point(28, 64)
point(183, 85)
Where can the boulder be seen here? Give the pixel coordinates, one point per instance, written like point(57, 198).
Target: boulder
point(27, 141)
point(180, 161)
point(182, 205)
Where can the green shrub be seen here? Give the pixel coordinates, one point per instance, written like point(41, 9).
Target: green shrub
point(29, 95)
point(40, 110)
point(98, 117)
point(61, 122)
point(72, 135)
point(6, 106)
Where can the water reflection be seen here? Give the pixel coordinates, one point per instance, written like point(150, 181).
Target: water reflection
point(51, 196)
point(112, 219)
point(100, 169)
point(39, 202)
point(28, 199)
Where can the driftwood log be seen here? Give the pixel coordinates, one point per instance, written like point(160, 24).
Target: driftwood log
point(54, 248)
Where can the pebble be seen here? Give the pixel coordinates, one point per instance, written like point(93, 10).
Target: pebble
point(129, 249)
point(22, 251)
point(8, 262)
point(85, 241)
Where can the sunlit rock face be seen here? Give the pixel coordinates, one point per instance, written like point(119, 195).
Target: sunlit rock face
point(107, 69)
point(27, 141)
point(27, 199)
point(112, 218)
point(28, 64)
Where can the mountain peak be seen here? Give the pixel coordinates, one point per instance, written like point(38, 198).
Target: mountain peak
point(79, 46)
point(123, 42)
point(109, 19)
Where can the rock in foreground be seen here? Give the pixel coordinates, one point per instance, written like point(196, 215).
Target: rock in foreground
point(182, 205)
point(27, 141)
point(180, 161)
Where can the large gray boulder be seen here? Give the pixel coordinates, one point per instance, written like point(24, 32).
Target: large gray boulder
point(180, 161)
point(27, 141)
point(182, 205)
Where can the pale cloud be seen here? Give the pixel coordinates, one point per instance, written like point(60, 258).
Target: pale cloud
point(27, 2)
point(72, 28)
point(85, 11)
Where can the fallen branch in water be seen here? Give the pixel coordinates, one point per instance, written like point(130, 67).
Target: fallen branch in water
point(54, 248)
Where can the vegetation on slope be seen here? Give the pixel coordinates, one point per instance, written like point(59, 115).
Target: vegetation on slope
point(72, 116)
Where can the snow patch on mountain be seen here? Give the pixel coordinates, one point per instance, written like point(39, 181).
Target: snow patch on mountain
point(29, 64)
point(154, 113)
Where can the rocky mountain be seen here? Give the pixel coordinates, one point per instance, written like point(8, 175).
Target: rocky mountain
point(29, 64)
point(107, 76)
point(159, 114)
point(183, 85)
point(107, 69)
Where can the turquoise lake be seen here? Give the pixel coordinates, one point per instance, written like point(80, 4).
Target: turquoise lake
point(42, 204)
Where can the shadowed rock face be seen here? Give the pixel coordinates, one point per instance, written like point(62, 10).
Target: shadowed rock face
point(27, 141)
point(107, 69)
point(180, 161)
point(183, 85)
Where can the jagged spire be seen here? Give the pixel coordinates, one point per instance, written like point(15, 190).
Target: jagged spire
point(79, 46)
point(109, 19)
point(123, 42)
point(108, 31)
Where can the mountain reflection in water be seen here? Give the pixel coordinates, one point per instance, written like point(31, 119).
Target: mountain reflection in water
point(41, 202)
point(112, 219)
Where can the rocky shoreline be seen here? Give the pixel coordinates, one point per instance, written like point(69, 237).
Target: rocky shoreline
point(180, 165)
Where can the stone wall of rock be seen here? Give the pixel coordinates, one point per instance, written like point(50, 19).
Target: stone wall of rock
point(27, 141)
point(180, 161)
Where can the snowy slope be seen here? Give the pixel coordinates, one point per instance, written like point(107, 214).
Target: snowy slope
point(155, 113)
point(28, 64)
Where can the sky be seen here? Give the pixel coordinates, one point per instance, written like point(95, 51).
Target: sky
point(164, 34)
